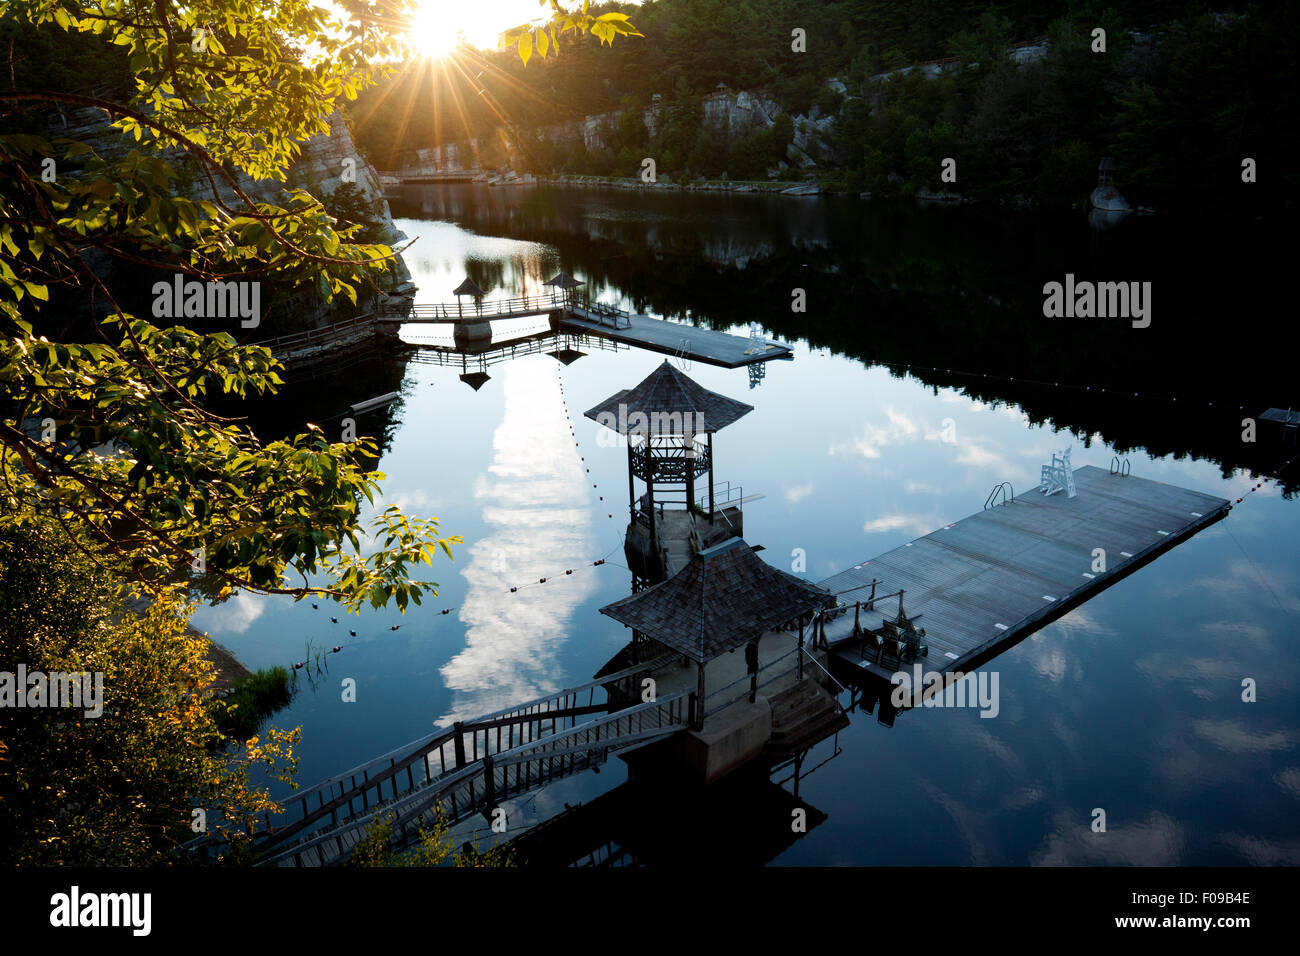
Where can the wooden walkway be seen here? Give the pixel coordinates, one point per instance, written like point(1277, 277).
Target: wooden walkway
point(671, 338)
point(989, 580)
point(469, 769)
point(471, 311)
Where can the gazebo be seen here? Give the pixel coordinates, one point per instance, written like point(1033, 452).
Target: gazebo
point(469, 287)
point(661, 418)
point(565, 283)
point(726, 597)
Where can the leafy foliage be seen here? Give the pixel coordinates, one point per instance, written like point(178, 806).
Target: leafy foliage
point(544, 36)
point(434, 846)
point(117, 789)
point(127, 456)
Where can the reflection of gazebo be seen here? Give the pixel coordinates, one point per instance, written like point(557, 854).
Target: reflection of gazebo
point(661, 418)
point(566, 356)
point(469, 287)
point(474, 380)
point(566, 283)
point(726, 597)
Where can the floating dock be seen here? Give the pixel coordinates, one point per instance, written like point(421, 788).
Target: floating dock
point(672, 338)
point(987, 581)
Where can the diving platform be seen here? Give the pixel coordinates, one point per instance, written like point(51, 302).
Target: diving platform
point(973, 588)
point(672, 338)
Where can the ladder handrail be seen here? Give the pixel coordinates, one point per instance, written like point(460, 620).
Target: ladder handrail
point(813, 658)
point(1008, 495)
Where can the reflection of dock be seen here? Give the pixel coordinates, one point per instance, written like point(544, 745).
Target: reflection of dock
point(993, 578)
point(743, 821)
point(673, 338)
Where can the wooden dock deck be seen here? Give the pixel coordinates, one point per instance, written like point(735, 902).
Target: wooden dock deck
point(672, 338)
point(989, 580)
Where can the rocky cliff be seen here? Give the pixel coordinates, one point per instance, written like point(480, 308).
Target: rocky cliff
point(326, 162)
point(733, 114)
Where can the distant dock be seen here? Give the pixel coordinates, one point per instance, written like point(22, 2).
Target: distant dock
point(987, 581)
point(673, 338)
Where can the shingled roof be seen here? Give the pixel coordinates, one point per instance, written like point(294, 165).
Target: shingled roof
point(723, 599)
point(665, 398)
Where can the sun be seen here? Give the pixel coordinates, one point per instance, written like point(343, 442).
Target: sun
point(436, 28)
point(439, 26)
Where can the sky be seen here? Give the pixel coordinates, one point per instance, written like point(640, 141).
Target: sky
point(482, 21)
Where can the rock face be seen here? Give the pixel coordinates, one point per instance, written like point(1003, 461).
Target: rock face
point(326, 162)
point(1110, 199)
point(732, 114)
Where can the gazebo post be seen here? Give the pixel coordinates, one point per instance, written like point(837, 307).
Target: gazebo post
point(689, 450)
point(699, 697)
point(800, 648)
point(709, 437)
point(650, 498)
point(631, 485)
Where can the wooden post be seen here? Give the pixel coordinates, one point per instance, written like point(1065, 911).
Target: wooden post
point(689, 458)
point(650, 498)
point(631, 486)
point(709, 437)
point(489, 781)
point(699, 697)
point(460, 744)
point(751, 662)
point(800, 654)
point(857, 618)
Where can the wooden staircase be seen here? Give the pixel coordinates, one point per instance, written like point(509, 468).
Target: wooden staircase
point(802, 715)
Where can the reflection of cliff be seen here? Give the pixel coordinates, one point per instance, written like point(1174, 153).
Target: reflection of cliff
point(956, 289)
point(534, 499)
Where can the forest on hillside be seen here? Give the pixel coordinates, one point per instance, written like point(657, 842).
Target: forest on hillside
point(1182, 93)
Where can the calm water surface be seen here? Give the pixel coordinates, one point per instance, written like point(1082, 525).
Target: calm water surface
point(1131, 703)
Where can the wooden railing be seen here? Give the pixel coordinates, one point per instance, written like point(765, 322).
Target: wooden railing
point(414, 764)
point(609, 315)
point(457, 311)
point(321, 336)
point(482, 784)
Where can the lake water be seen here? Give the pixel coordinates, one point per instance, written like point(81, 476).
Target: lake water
point(1131, 703)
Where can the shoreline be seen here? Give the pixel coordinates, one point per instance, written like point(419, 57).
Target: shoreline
point(752, 187)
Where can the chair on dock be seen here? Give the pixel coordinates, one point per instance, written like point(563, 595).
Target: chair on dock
point(1058, 476)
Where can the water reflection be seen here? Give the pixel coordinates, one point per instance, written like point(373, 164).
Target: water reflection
point(1131, 703)
point(534, 501)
